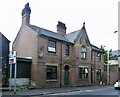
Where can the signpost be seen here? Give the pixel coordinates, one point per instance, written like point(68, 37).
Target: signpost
point(12, 61)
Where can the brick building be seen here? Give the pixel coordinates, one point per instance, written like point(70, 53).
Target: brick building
point(58, 59)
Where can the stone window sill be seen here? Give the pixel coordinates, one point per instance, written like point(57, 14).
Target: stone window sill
point(52, 80)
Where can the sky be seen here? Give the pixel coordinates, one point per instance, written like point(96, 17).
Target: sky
point(100, 17)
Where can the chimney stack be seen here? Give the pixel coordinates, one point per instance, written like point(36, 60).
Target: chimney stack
point(26, 14)
point(61, 28)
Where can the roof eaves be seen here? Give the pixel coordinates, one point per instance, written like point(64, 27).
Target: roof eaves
point(5, 37)
point(95, 48)
point(50, 34)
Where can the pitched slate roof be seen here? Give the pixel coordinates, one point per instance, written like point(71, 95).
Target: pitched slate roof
point(69, 38)
point(73, 35)
point(48, 33)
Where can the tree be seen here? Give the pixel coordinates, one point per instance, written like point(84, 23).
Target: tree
point(106, 54)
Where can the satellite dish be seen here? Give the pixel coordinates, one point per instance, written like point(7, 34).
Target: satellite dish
point(41, 54)
point(41, 51)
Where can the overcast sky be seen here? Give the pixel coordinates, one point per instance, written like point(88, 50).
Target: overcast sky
point(100, 17)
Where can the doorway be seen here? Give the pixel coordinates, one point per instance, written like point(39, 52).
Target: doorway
point(66, 75)
point(91, 75)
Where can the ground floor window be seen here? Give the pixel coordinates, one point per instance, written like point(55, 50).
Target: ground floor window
point(83, 73)
point(51, 72)
point(99, 74)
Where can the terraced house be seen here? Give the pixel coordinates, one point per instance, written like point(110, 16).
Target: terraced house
point(58, 58)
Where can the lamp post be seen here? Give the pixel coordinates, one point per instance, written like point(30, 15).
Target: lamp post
point(115, 31)
point(108, 69)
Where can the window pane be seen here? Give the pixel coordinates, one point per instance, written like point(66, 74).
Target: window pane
point(51, 46)
point(86, 70)
point(98, 56)
point(51, 43)
point(54, 76)
point(54, 69)
point(80, 72)
point(99, 74)
point(83, 52)
point(83, 49)
point(83, 73)
point(67, 49)
point(51, 72)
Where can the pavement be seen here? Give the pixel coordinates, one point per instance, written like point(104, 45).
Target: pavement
point(45, 91)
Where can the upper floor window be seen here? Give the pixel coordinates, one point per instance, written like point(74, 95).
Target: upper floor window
point(51, 46)
point(66, 49)
point(91, 54)
point(99, 56)
point(84, 52)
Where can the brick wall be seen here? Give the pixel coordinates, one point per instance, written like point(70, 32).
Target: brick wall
point(113, 73)
point(28, 44)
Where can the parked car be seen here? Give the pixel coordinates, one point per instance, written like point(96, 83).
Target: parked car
point(117, 84)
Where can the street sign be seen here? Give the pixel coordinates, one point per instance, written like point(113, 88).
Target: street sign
point(12, 57)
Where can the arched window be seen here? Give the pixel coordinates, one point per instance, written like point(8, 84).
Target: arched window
point(98, 56)
point(83, 52)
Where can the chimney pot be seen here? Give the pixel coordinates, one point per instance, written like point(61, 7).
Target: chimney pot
point(84, 24)
point(26, 14)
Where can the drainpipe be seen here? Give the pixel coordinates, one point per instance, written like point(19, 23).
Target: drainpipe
point(37, 64)
point(94, 69)
point(61, 67)
point(108, 70)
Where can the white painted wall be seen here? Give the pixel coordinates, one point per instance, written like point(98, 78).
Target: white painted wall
point(20, 81)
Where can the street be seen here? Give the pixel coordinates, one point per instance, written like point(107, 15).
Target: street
point(107, 91)
point(101, 91)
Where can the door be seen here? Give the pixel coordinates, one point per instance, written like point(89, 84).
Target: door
point(66, 76)
point(91, 75)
